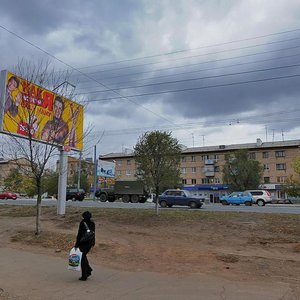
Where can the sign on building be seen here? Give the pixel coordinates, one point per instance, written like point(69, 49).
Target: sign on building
point(106, 168)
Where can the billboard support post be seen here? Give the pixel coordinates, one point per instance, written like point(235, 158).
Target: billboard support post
point(62, 182)
point(95, 172)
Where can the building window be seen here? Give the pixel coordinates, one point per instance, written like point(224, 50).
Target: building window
point(193, 169)
point(266, 167)
point(183, 181)
point(280, 153)
point(128, 162)
point(217, 168)
point(119, 162)
point(280, 166)
point(183, 159)
point(217, 180)
point(266, 179)
point(193, 181)
point(205, 180)
point(119, 172)
point(265, 154)
point(128, 172)
point(183, 170)
point(193, 158)
point(216, 157)
point(252, 155)
point(204, 157)
point(281, 179)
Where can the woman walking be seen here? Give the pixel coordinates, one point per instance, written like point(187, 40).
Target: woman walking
point(84, 244)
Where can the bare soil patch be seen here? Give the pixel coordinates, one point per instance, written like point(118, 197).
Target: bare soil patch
point(239, 246)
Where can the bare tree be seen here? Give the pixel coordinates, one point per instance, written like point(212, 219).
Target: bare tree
point(34, 121)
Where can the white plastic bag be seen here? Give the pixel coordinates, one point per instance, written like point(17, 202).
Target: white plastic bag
point(75, 259)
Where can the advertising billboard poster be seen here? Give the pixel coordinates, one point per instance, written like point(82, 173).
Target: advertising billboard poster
point(106, 168)
point(28, 110)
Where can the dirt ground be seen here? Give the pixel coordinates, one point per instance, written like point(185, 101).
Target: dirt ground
point(236, 246)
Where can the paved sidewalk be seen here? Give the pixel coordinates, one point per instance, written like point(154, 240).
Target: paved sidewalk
point(31, 276)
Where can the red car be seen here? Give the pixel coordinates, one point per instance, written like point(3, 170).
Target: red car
point(8, 195)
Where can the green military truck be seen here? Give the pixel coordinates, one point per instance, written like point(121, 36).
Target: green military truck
point(128, 191)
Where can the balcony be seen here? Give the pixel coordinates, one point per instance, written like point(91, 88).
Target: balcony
point(209, 161)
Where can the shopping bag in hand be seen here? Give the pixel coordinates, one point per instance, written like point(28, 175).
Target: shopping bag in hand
point(75, 259)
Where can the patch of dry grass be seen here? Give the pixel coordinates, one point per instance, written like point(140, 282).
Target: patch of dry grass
point(53, 240)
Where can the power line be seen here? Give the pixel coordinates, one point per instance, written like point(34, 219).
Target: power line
point(197, 88)
point(203, 70)
point(193, 49)
point(195, 79)
point(199, 55)
point(203, 62)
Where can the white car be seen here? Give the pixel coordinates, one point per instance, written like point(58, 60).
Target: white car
point(260, 197)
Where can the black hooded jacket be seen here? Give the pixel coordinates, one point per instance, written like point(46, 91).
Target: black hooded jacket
point(86, 246)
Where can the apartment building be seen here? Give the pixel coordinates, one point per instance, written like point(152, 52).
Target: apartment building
point(8, 165)
point(202, 166)
point(86, 167)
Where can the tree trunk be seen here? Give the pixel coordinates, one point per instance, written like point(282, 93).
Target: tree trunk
point(156, 200)
point(38, 209)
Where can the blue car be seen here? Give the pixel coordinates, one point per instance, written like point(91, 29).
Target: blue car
point(179, 197)
point(237, 198)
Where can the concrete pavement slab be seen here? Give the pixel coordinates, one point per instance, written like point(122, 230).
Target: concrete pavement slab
point(25, 275)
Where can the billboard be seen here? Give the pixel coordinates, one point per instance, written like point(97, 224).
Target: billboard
point(106, 168)
point(28, 110)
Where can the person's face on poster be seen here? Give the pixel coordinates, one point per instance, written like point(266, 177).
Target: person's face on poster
point(12, 85)
point(58, 109)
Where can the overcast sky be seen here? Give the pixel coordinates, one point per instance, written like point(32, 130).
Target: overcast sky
point(212, 72)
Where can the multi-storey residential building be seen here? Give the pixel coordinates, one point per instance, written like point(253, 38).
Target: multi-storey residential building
point(86, 166)
point(202, 166)
point(7, 166)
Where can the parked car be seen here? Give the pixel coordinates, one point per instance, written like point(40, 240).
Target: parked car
point(179, 197)
point(8, 195)
point(75, 194)
point(260, 197)
point(237, 198)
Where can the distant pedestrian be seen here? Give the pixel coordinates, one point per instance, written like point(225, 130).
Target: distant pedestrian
point(86, 225)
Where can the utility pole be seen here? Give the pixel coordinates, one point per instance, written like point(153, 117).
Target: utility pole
point(95, 172)
point(79, 170)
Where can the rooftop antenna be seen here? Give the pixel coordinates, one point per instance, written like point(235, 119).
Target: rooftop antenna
point(203, 139)
point(266, 132)
point(282, 135)
point(193, 139)
point(273, 135)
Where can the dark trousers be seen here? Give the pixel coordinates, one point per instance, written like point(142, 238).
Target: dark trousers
point(85, 266)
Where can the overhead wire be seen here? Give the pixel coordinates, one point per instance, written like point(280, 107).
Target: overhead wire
point(203, 70)
point(194, 56)
point(195, 79)
point(196, 88)
point(197, 48)
point(200, 63)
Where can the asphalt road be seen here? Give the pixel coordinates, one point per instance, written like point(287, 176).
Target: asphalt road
point(269, 208)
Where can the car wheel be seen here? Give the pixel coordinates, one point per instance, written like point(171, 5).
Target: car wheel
point(125, 198)
point(163, 203)
point(248, 203)
point(260, 202)
point(134, 198)
point(103, 198)
point(193, 205)
point(73, 198)
point(224, 202)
